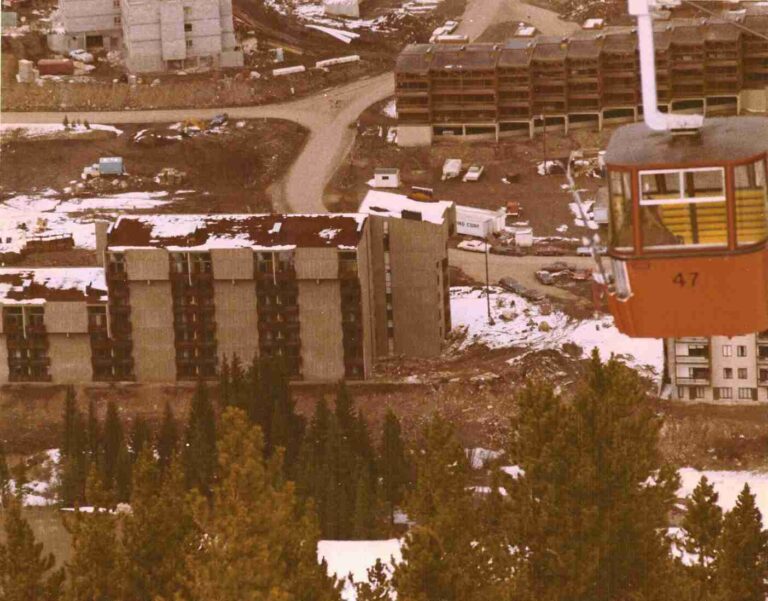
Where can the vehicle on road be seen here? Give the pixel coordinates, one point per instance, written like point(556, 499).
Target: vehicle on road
point(549, 251)
point(558, 266)
point(512, 285)
point(509, 251)
point(545, 277)
point(477, 246)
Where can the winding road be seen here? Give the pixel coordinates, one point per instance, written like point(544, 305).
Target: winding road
point(327, 115)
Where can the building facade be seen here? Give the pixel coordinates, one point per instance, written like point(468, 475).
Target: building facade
point(591, 77)
point(155, 35)
point(179, 293)
point(718, 368)
point(409, 257)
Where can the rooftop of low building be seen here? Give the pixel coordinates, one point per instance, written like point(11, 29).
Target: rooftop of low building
point(259, 232)
point(399, 206)
point(38, 285)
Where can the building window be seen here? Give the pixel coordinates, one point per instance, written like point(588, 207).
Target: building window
point(742, 373)
point(748, 394)
point(188, 27)
point(723, 393)
point(741, 351)
point(727, 350)
point(728, 373)
point(694, 350)
point(189, 43)
point(763, 375)
point(116, 3)
point(187, 12)
point(117, 20)
point(696, 392)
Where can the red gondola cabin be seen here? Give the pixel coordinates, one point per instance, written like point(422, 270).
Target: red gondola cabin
point(689, 229)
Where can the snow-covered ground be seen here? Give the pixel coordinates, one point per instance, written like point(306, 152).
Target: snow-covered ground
point(47, 214)
point(525, 329)
point(352, 558)
point(728, 484)
point(40, 492)
point(34, 130)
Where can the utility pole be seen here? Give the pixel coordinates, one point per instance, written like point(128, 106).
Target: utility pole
point(486, 238)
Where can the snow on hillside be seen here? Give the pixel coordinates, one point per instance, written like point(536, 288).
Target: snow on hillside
point(518, 323)
point(353, 558)
point(728, 485)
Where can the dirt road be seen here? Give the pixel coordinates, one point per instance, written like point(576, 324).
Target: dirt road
point(520, 268)
point(328, 115)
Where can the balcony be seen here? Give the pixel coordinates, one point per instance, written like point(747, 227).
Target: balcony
point(700, 381)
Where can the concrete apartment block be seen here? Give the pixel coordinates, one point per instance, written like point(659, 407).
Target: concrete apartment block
point(409, 254)
point(718, 369)
point(175, 34)
point(176, 294)
point(90, 24)
point(156, 35)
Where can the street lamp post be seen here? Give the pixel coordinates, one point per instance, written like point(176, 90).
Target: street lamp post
point(486, 238)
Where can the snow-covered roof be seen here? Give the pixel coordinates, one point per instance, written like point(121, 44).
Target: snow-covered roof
point(258, 232)
point(37, 285)
point(390, 204)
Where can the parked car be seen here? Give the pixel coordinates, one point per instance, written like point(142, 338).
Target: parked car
point(586, 251)
point(545, 277)
point(477, 246)
point(581, 275)
point(510, 251)
point(512, 285)
point(559, 266)
point(535, 296)
point(81, 56)
point(549, 251)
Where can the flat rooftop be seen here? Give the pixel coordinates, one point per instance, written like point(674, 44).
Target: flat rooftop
point(393, 205)
point(38, 285)
point(259, 232)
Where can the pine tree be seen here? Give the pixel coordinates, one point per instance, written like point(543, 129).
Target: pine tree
point(70, 416)
point(93, 435)
point(141, 437)
point(158, 533)
point(591, 508)
point(5, 475)
point(26, 573)
point(167, 438)
point(123, 475)
point(702, 525)
point(378, 586)
point(200, 448)
point(742, 559)
point(256, 538)
point(443, 557)
point(113, 443)
point(74, 453)
point(394, 465)
point(94, 571)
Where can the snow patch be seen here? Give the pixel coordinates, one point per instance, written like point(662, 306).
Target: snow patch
point(728, 484)
point(351, 559)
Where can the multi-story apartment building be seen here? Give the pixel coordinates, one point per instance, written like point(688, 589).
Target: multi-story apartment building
point(156, 35)
point(89, 24)
point(711, 65)
point(178, 34)
point(409, 262)
point(718, 368)
point(178, 293)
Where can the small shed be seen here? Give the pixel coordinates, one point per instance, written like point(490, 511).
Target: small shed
point(386, 177)
point(111, 166)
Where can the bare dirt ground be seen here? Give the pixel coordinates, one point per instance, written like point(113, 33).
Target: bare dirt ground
point(544, 202)
point(228, 171)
